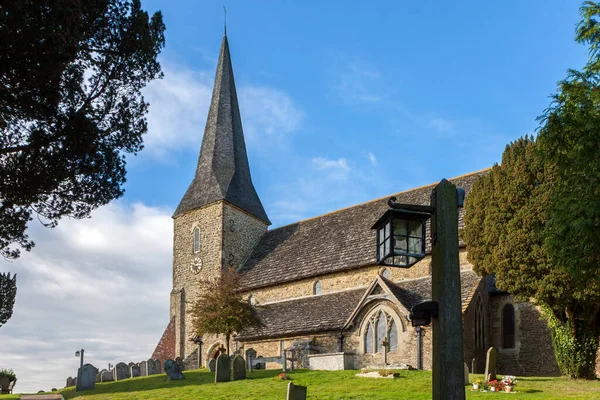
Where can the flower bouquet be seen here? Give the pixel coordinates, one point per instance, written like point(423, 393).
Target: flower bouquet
point(508, 382)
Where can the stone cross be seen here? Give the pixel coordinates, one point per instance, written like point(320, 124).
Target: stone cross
point(223, 369)
point(490, 364)
point(295, 392)
point(386, 347)
point(86, 378)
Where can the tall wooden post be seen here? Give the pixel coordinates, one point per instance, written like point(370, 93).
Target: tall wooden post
point(448, 363)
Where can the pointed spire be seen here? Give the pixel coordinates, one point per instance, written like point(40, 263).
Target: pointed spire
point(223, 172)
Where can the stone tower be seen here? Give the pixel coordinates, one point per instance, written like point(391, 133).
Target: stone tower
point(220, 217)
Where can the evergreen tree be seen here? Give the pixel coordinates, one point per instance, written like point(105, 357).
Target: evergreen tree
point(71, 74)
point(8, 292)
point(219, 308)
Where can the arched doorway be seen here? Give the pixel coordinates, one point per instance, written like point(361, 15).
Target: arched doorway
point(213, 352)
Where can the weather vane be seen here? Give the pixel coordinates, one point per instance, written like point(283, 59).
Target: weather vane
point(225, 19)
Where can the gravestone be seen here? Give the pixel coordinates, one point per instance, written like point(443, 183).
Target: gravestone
point(179, 361)
point(135, 370)
point(473, 366)
point(212, 364)
point(239, 368)
point(75, 381)
point(173, 370)
point(154, 367)
point(466, 374)
point(143, 368)
point(98, 378)
point(86, 378)
point(223, 368)
point(121, 371)
point(490, 364)
point(106, 376)
point(70, 382)
point(296, 392)
point(130, 364)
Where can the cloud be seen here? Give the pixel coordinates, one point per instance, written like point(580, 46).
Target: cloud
point(372, 158)
point(359, 84)
point(179, 106)
point(101, 284)
point(325, 163)
point(442, 125)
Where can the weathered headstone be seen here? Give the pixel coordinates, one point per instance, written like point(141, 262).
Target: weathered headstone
point(490, 364)
point(135, 370)
point(86, 378)
point(70, 382)
point(98, 378)
point(212, 365)
point(173, 370)
point(473, 366)
point(466, 374)
point(143, 368)
point(106, 376)
point(121, 371)
point(75, 381)
point(296, 392)
point(239, 368)
point(179, 361)
point(154, 367)
point(223, 368)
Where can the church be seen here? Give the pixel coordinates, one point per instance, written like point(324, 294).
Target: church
point(315, 284)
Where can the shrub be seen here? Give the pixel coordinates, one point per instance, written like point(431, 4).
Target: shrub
point(8, 373)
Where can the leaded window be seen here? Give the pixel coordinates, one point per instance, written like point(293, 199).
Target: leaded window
point(196, 239)
point(380, 326)
point(317, 288)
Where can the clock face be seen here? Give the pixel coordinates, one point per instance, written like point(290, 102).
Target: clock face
point(196, 265)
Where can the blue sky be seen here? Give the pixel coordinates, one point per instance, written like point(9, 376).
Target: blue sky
point(341, 102)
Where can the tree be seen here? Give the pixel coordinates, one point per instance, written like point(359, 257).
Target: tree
point(219, 308)
point(534, 220)
point(71, 74)
point(8, 292)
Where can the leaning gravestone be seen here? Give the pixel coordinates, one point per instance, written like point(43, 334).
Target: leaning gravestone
point(121, 371)
point(135, 370)
point(239, 368)
point(296, 392)
point(154, 367)
point(212, 364)
point(173, 370)
point(490, 364)
point(143, 368)
point(106, 376)
point(466, 374)
point(223, 369)
point(86, 378)
point(70, 382)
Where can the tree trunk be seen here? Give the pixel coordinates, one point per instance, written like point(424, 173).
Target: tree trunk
point(227, 336)
point(575, 346)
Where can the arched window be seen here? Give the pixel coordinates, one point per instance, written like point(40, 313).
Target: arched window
point(380, 326)
point(479, 324)
point(508, 327)
point(317, 288)
point(386, 273)
point(251, 300)
point(196, 239)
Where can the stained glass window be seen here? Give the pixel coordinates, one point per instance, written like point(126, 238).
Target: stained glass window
point(393, 336)
point(381, 331)
point(369, 339)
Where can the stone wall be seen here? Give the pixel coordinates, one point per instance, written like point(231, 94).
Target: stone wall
point(533, 353)
point(470, 348)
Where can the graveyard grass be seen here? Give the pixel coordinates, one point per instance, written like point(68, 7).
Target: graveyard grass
point(322, 385)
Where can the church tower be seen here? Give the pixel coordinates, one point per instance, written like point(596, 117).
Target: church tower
point(220, 217)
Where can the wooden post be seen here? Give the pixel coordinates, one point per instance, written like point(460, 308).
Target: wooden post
point(448, 364)
point(282, 355)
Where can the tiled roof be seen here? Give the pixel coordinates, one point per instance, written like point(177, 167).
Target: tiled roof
point(223, 172)
point(333, 242)
point(323, 313)
point(330, 312)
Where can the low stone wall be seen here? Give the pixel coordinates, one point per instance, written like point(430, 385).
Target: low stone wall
point(331, 361)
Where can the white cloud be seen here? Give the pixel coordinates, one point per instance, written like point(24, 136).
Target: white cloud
point(442, 125)
point(179, 106)
point(101, 284)
point(325, 163)
point(372, 159)
point(359, 84)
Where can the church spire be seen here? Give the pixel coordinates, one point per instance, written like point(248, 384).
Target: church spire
point(223, 172)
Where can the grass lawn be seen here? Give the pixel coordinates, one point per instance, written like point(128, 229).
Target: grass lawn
point(265, 385)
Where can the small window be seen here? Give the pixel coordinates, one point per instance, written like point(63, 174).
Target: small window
point(317, 288)
point(508, 327)
point(386, 273)
point(196, 239)
point(252, 300)
point(479, 324)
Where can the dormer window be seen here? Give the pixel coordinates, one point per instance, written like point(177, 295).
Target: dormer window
point(196, 239)
point(317, 288)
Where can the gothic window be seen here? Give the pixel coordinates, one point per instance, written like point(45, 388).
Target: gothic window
point(380, 326)
point(479, 324)
point(317, 288)
point(386, 273)
point(369, 339)
point(196, 239)
point(508, 327)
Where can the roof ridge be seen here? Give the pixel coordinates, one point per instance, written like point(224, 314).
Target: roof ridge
point(313, 295)
point(378, 199)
